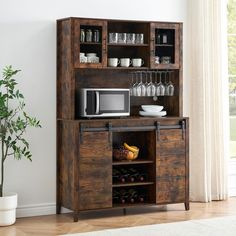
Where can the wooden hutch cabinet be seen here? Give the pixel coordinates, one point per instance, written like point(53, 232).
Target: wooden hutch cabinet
point(85, 161)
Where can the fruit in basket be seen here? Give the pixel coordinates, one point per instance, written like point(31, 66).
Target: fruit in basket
point(130, 148)
point(130, 156)
point(133, 152)
point(120, 153)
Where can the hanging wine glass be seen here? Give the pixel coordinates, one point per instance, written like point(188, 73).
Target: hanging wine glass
point(155, 83)
point(160, 88)
point(134, 87)
point(131, 84)
point(170, 87)
point(146, 80)
point(166, 82)
point(141, 89)
point(151, 89)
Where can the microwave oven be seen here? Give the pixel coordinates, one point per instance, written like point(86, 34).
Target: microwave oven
point(104, 102)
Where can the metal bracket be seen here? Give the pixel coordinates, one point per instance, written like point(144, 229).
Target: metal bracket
point(183, 129)
point(109, 125)
point(158, 130)
point(81, 130)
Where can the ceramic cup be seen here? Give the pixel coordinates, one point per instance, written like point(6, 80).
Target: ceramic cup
point(91, 54)
point(137, 62)
point(113, 62)
point(93, 59)
point(125, 62)
point(157, 60)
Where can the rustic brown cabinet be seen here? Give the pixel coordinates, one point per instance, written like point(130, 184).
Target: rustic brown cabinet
point(85, 161)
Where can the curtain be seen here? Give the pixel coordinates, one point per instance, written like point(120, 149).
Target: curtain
point(209, 116)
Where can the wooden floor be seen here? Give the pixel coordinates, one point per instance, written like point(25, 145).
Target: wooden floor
point(90, 221)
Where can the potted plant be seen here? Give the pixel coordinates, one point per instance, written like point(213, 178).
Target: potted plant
point(13, 123)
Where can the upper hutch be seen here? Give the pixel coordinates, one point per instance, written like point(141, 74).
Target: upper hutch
point(85, 164)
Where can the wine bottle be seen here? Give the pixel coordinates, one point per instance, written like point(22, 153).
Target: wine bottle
point(133, 174)
point(123, 196)
point(115, 175)
point(142, 176)
point(141, 197)
point(133, 195)
point(124, 175)
point(116, 196)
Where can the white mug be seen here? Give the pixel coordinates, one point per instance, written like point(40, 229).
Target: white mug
point(113, 62)
point(125, 62)
point(137, 62)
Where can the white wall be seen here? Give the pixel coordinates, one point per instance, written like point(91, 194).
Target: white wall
point(28, 42)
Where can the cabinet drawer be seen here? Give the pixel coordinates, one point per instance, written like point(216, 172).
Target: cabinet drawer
point(171, 166)
point(170, 190)
point(172, 148)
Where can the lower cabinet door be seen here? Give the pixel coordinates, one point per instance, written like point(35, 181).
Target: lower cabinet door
point(95, 171)
point(170, 190)
point(171, 167)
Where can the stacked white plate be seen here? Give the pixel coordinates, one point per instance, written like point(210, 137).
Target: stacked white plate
point(152, 110)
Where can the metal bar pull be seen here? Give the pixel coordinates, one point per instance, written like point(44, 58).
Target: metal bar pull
point(158, 130)
point(109, 132)
point(81, 130)
point(183, 129)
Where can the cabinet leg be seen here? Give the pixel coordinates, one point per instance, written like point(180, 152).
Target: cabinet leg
point(58, 208)
point(186, 204)
point(124, 211)
point(76, 216)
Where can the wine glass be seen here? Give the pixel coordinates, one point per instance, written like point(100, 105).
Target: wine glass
point(141, 88)
point(131, 84)
point(166, 82)
point(160, 87)
point(151, 89)
point(146, 80)
point(134, 87)
point(170, 86)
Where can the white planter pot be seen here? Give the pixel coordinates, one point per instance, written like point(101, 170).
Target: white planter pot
point(8, 204)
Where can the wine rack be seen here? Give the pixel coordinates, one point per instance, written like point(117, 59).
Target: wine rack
point(132, 180)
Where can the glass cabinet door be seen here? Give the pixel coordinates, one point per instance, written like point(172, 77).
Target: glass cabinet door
point(90, 43)
point(165, 46)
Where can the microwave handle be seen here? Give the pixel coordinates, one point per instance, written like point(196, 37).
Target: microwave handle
point(97, 103)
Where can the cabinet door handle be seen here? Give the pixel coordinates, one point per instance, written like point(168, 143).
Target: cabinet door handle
point(97, 102)
point(158, 130)
point(183, 129)
point(110, 133)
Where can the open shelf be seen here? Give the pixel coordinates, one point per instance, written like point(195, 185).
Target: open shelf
point(126, 162)
point(164, 45)
point(90, 43)
point(128, 45)
point(132, 184)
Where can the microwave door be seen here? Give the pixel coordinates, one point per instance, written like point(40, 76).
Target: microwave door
point(113, 102)
point(92, 101)
point(97, 103)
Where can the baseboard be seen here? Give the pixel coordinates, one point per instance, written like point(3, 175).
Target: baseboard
point(38, 210)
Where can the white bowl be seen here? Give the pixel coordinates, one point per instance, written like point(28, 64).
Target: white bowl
point(91, 54)
point(152, 108)
point(153, 113)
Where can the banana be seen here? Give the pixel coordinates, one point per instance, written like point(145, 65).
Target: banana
point(130, 148)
